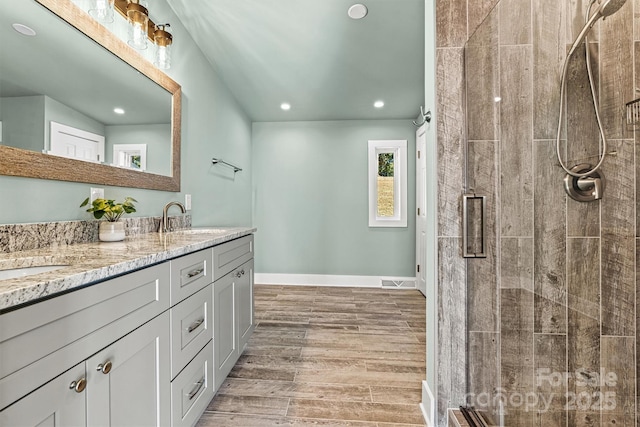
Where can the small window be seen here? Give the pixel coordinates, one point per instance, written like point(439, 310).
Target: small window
point(388, 183)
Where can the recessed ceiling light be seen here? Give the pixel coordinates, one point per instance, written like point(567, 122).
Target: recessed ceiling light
point(497, 99)
point(24, 30)
point(357, 11)
point(285, 106)
point(118, 110)
point(378, 104)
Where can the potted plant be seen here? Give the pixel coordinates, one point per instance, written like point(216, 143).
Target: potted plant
point(111, 230)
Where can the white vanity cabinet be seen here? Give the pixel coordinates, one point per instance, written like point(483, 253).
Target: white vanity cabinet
point(123, 385)
point(232, 304)
point(56, 348)
point(147, 348)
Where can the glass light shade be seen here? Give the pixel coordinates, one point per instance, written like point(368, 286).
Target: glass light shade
point(101, 10)
point(138, 17)
point(163, 57)
point(163, 41)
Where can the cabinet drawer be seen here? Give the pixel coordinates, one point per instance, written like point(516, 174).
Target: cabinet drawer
point(191, 328)
point(189, 274)
point(192, 390)
point(40, 341)
point(230, 255)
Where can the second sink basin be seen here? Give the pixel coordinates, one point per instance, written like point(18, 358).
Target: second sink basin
point(201, 231)
point(14, 273)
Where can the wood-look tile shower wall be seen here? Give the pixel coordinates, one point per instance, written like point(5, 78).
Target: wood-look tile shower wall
point(556, 295)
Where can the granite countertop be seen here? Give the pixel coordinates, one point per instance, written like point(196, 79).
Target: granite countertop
point(87, 263)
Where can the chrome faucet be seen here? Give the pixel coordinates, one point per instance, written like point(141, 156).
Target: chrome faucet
point(164, 225)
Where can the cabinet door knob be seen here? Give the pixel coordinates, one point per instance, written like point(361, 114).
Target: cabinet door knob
point(242, 271)
point(79, 385)
point(238, 274)
point(105, 368)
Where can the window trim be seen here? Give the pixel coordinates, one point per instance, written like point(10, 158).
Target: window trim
point(399, 149)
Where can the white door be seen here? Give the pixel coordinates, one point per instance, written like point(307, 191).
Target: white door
point(421, 210)
point(67, 141)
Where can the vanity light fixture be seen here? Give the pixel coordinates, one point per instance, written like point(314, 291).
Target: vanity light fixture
point(24, 30)
point(378, 104)
point(285, 106)
point(101, 10)
point(141, 28)
point(138, 17)
point(163, 40)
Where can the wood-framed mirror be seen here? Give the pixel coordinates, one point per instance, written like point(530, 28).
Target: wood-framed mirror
point(18, 161)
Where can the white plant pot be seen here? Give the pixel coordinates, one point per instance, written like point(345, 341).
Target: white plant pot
point(111, 231)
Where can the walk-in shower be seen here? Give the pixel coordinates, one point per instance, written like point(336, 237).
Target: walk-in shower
point(553, 303)
point(583, 182)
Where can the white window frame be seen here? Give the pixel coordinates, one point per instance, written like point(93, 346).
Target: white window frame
point(122, 155)
point(399, 150)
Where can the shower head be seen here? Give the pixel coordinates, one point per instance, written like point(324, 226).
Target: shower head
point(609, 7)
point(606, 8)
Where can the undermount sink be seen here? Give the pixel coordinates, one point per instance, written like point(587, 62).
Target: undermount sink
point(202, 231)
point(14, 273)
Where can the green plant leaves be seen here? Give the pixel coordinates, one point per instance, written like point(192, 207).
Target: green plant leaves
point(109, 209)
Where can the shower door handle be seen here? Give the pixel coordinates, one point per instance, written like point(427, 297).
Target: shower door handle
point(479, 247)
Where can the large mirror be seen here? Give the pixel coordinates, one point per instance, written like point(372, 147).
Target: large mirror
point(58, 92)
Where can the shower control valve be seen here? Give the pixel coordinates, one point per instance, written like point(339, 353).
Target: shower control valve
point(586, 188)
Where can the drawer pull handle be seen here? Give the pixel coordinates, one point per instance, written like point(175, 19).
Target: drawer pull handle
point(192, 327)
point(105, 368)
point(196, 389)
point(194, 273)
point(79, 385)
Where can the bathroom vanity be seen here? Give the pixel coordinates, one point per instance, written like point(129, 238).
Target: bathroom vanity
point(135, 333)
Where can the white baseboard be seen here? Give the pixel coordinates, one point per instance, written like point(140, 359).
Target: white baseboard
point(428, 405)
point(329, 280)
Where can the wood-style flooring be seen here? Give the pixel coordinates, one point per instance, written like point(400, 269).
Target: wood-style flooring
point(327, 356)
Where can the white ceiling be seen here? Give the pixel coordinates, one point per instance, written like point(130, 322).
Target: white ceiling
point(310, 54)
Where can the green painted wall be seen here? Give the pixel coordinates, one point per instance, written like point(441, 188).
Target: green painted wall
point(311, 200)
point(154, 136)
point(213, 125)
point(23, 122)
point(55, 111)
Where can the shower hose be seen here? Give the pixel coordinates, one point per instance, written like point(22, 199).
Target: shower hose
point(563, 84)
